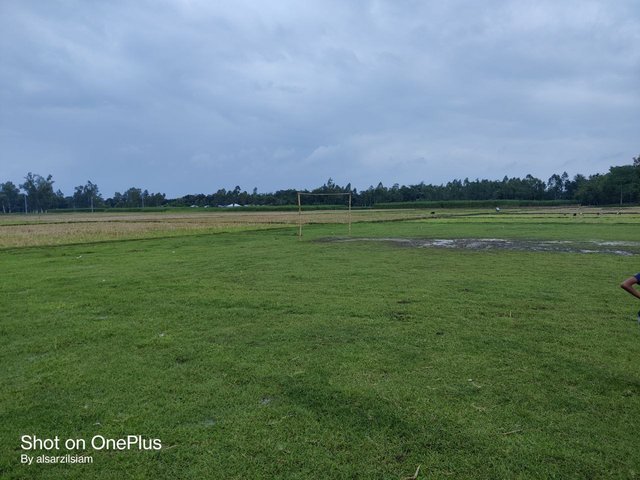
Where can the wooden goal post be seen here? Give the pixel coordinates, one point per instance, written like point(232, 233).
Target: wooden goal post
point(300, 194)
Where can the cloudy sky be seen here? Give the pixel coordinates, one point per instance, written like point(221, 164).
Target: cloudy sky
point(189, 96)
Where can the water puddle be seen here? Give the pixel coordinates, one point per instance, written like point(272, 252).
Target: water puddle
point(585, 247)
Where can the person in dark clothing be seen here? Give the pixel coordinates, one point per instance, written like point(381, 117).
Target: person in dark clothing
point(628, 285)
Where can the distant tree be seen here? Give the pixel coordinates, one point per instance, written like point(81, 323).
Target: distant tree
point(565, 179)
point(133, 197)
point(617, 186)
point(87, 196)
point(380, 193)
point(118, 200)
point(220, 197)
point(536, 187)
point(60, 201)
point(555, 186)
point(244, 198)
point(154, 199)
point(590, 191)
point(39, 192)
point(366, 197)
point(9, 197)
point(285, 197)
point(138, 198)
point(394, 194)
point(573, 186)
point(621, 184)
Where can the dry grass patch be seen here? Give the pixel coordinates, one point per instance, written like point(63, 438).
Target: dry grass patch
point(60, 229)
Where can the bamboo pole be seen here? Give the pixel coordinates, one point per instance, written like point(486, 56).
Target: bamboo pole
point(349, 214)
point(299, 217)
point(320, 194)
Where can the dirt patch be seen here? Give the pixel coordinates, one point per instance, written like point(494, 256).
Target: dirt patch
point(585, 247)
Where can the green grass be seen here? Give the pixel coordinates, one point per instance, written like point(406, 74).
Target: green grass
point(256, 355)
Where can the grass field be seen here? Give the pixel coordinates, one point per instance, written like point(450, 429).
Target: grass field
point(252, 354)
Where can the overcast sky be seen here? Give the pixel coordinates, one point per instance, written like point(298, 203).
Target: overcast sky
point(189, 96)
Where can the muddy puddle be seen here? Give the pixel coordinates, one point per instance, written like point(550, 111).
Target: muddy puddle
point(585, 247)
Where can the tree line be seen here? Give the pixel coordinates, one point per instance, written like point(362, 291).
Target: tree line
point(37, 194)
point(619, 186)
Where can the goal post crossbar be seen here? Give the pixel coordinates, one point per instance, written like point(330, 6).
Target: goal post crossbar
point(323, 194)
point(300, 194)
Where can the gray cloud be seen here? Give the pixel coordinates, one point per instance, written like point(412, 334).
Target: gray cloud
point(190, 96)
